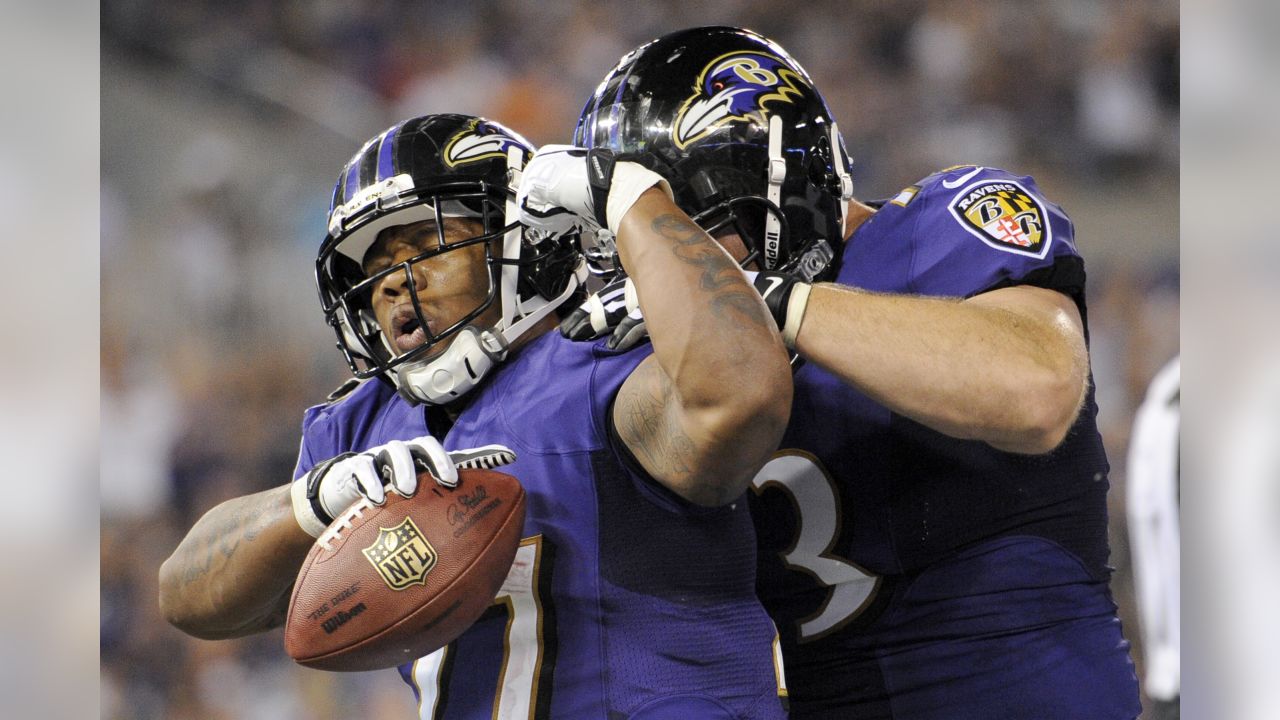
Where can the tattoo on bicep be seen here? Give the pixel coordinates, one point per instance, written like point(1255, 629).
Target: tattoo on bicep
point(662, 446)
point(719, 274)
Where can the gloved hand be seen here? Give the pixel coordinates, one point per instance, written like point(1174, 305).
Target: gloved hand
point(615, 307)
point(336, 484)
point(786, 297)
point(565, 188)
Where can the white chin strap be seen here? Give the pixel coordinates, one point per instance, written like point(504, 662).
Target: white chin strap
point(846, 182)
point(510, 274)
point(777, 174)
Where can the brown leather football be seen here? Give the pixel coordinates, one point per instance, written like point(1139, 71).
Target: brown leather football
point(386, 585)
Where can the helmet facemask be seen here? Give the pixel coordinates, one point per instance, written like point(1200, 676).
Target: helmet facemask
point(526, 276)
point(348, 291)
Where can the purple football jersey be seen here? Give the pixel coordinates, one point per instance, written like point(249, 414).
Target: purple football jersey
point(861, 501)
point(624, 601)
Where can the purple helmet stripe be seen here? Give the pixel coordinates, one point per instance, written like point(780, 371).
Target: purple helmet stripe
point(580, 129)
point(386, 152)
point(353, 181)
point(615, 110)
point(335, 198)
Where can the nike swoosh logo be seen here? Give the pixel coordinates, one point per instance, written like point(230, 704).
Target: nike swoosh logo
point(774, 284)
point(953, 184)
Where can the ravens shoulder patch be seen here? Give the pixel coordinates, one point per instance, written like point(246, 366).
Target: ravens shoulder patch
point(1004, 215)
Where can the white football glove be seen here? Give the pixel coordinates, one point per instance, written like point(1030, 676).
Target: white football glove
point(564, 188)
point(336, 484)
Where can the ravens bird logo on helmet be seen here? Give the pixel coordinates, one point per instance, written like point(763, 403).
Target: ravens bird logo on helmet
point(734, 87)
point(478, 140)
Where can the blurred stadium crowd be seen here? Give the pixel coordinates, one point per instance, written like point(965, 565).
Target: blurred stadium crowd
point(224, 122)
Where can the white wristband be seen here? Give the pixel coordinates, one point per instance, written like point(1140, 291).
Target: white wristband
point(630, 180)
point(796, 305)
point(302, 511)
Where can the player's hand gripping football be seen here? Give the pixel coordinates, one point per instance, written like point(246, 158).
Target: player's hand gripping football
point(566, 188)
point(334, 485)
point(615, 307)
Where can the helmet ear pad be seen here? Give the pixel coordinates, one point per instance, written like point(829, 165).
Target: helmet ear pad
point(820, 165)
point(548, 266)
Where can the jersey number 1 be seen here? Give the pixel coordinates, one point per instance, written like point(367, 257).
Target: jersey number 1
point(524, 644)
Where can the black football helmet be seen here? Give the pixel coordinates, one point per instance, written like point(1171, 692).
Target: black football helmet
point(736, 126)
point(439, 167)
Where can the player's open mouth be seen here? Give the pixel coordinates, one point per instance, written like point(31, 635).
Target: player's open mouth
point(410, 332)
point(410, 336)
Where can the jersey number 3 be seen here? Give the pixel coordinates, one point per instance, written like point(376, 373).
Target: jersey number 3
point(817, 501)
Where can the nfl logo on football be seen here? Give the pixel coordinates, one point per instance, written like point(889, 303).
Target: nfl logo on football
point(401, 555)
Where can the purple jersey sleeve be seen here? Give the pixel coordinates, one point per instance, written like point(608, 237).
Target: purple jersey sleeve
point(357, 421)
point(965, 231)
point(318, 441)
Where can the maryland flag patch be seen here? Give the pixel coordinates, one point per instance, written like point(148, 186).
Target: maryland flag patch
point(401, 555)
point(1004, 215)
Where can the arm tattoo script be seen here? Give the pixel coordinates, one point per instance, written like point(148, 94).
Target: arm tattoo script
point(664, 447)
point(221, 540)
point(719, 275)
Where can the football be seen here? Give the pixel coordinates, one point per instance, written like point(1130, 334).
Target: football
point(386, 585)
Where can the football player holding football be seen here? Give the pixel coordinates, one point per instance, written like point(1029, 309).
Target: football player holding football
point(632, 593)
point(932, 533)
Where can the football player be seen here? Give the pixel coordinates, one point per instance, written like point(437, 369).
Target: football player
point(632, 593)
point(932, 533)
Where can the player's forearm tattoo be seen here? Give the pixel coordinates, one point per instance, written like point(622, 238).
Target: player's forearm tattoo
point(665, 449)
point(221, 540)
point(719, 275)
